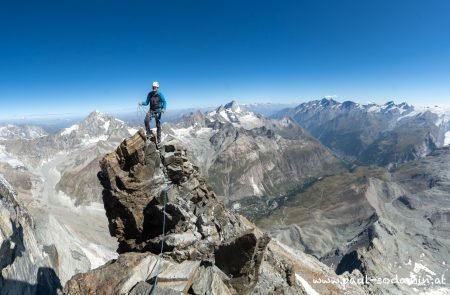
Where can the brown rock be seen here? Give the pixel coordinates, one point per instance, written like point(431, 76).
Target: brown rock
point(241, 258)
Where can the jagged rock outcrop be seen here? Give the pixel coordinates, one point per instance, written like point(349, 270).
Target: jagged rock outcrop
point(138, 189)
point(206, 249)
point(25, 269)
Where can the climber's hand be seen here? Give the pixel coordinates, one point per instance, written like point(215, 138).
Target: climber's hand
point(163, 110)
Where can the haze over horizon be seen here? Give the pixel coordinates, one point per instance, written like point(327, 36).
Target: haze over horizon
point(73, 58)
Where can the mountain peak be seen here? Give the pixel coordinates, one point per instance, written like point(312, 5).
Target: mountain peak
point(328, 101)
point(234, 106)
point(98, 115)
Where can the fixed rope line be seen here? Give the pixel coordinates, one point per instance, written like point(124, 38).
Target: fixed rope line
point(162, 241)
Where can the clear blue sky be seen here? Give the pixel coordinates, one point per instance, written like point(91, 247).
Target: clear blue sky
point(76, 56)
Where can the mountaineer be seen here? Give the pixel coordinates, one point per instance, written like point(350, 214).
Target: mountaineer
point(157, 106)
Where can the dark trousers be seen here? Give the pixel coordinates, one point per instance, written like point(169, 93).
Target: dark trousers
point(148, 117)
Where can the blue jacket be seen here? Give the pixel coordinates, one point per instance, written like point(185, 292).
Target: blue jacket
point(163, 101)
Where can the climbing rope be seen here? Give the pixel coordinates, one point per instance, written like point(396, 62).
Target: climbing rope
point(158, 263)
point(162, 241)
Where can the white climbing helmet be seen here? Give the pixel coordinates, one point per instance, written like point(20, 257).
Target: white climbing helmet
point(156, 84)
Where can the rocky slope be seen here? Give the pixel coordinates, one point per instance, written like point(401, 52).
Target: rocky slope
point(157, 201)
point(382, 224)
point(243, 154)
point(26, 268)
point(374, 134)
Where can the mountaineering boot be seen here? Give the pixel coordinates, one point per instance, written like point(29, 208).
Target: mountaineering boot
point(158, 135)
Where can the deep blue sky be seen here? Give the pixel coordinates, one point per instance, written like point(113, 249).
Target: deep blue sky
point(76, 56)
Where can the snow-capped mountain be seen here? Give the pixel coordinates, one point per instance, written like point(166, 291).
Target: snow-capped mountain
point(245, 154)
point(371, 133)
point(57, 177)
point(95, 128)
point(10, 131)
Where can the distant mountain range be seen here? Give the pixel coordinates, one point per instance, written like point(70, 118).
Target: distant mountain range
point(244, 154)
point(10, 131)
point(373, 134)
point(313, 175)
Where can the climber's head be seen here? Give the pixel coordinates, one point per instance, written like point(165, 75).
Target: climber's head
point(155, 85)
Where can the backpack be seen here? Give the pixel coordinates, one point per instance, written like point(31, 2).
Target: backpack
point(155, 101)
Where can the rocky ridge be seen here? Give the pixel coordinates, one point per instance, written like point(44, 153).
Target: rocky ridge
point(25, 267)
point(206, 248)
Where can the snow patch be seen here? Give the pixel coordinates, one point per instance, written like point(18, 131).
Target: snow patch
point(15, 163)
point(249, 118)
point(420, 267)
point(88, 141)
point(106, 126)
point(374, 109)
point(224, 115)
point(302, 282)
point(132, 131)
point(69, 130)
point(447, 138)
point(183, 131)
point(411, 114)
point(256, 190)
point(6, 157)
point(203, 130)
point(97, 255)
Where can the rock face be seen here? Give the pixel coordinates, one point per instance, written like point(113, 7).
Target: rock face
point(157, 201)
point(140, 183)
point(25, 269)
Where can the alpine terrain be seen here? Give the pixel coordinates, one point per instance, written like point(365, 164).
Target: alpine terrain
point(245, 155)
point(374, 134)
point(156, 202)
